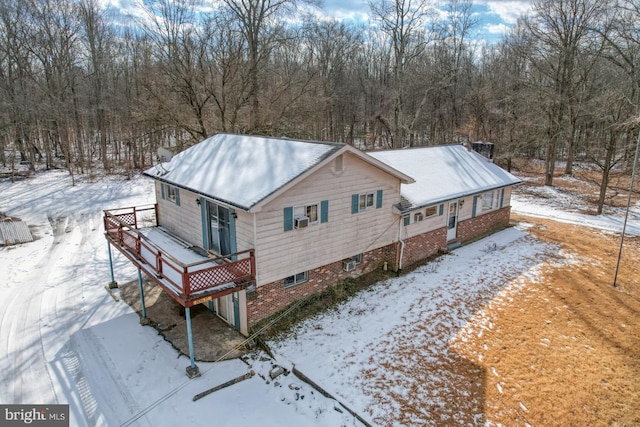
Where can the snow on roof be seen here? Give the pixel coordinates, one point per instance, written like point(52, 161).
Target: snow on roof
point(443, 173)
point(240, 169)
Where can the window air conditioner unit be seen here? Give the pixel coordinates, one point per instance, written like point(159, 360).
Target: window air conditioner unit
point(349, 264)
point(302, 222)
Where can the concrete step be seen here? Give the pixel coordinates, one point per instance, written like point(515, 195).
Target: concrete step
point(454, 244)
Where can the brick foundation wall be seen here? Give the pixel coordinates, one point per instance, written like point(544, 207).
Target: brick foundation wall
point(273, 297)
point(423, 246)
point(483, 224)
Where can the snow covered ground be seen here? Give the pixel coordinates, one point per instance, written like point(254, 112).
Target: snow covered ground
point(65, 340)
point(551, 202)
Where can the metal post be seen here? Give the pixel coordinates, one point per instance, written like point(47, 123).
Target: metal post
point(192, 370)
point(626, 215)
point(144, 320)
point(113, 284)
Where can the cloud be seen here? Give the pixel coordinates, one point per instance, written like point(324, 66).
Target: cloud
point(496, 29)
point(509, 10)
point(355, 10)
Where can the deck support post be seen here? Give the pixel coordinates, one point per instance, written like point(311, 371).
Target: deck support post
point(144, 320)
point(112, 284)
point(192, 370)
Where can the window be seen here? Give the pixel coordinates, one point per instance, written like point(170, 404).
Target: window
point(296, 279)
point(418, 217)
point(366, 201)
point(490, 200)
point(431, 211)
point(357, 258)
point(169, 192)
point(407, 220)
point(301, 216)
point(309, 211)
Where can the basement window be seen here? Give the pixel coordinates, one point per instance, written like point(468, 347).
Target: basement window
point(296, 279)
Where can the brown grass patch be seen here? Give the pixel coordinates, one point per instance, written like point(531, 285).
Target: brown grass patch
point(566, 351)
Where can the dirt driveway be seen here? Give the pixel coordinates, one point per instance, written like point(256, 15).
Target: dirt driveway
point(567, 351)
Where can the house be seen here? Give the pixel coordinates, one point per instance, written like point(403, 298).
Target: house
point(249, 225)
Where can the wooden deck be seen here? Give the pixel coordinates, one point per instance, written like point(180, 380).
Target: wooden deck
point(182, 270)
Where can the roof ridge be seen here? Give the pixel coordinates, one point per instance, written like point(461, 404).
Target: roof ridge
point(284, 138)
point(414, 148)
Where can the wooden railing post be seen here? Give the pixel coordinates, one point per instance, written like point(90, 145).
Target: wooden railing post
point(159, 264)
point(138, 247)
point(186, 283)
point(135, 218)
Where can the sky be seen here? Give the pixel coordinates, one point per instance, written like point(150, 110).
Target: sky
point(494, 17)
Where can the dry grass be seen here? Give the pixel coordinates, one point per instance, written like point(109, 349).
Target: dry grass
point(566, 351)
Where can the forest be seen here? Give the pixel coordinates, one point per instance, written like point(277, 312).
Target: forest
point(82, 88)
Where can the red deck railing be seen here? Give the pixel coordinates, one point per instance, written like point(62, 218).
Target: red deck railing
point(190, 281)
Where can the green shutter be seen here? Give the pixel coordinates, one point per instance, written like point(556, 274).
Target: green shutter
point(355, 202)
point(407, 220)
point(288, 219)
point(162, 190)
point(205, 223)
point(378, 199)
point(232, 233)
point(324, 211)
point(177, 196)
point(501, 198)
point(441, 209)
point(475, 205)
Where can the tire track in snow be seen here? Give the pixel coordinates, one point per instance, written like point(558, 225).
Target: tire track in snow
point(47, 353)
point(20, 336)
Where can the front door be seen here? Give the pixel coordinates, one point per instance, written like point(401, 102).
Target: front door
point(452, 223)
point(219, 229)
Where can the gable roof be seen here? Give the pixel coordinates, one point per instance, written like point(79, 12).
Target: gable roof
point(247, 171)
point(443, 173)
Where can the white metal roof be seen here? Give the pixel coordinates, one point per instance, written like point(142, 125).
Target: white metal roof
point(239, 169)
point(443, 173)
point(13, 231)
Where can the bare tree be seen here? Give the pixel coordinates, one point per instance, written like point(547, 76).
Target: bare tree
point(181, 54)
point(333, 48)
point(15, 71)
point(458, 57)
point(97, 39)
point(561, 31)
point(55, 27)
point(257, 20)
point(402, 21)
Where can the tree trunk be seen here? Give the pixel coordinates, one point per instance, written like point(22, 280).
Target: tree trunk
point(606, 169)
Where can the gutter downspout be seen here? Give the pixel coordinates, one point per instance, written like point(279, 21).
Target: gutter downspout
point(402, 245)
point(255, 240)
